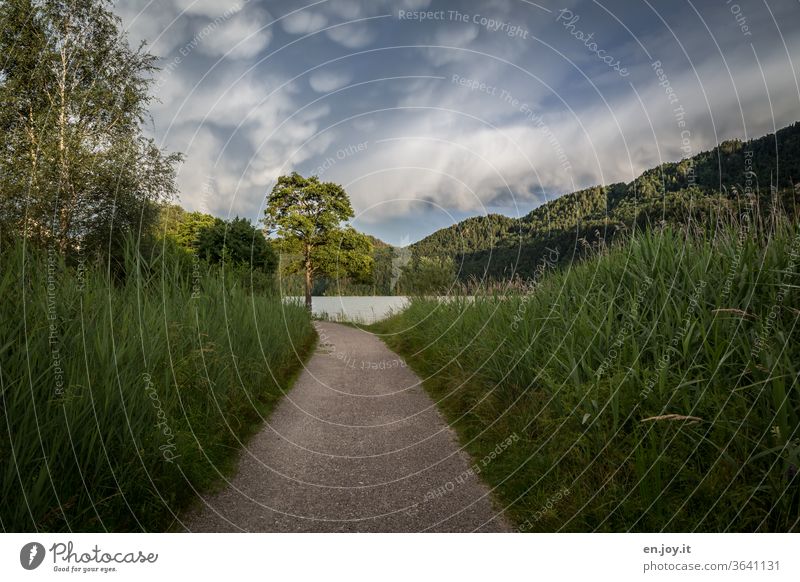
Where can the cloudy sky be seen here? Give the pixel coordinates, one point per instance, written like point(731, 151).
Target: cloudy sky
point(430, 111)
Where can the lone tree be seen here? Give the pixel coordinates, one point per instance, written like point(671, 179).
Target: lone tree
point(307, 216)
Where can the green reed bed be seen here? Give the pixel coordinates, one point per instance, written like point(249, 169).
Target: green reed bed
point(122, 399)
point(652, 387)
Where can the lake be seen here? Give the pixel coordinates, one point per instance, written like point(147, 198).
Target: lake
point(353, 308)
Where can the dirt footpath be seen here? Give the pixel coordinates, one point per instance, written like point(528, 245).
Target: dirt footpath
point(355, 446)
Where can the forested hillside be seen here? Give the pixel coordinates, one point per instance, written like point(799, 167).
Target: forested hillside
point(716, 183)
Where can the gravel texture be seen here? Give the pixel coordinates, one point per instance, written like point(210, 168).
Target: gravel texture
point(355, 446)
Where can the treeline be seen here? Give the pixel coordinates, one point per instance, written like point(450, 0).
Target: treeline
point(236, 244)
point(710, 187)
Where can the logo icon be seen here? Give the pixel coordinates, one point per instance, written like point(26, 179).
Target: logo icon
point(31, 555)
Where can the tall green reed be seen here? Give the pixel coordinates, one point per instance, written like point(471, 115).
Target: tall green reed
point(122, 397)
point(656, 381)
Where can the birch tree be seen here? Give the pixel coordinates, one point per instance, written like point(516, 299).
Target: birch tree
point(76, 167)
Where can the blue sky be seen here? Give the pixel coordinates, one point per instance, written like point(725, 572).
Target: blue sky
point(429, 112)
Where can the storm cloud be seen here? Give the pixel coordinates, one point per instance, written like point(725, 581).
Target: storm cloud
point(430, 111)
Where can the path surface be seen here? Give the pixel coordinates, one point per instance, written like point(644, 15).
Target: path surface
point(356, 445)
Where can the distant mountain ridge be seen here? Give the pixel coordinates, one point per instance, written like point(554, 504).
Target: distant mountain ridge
point(696, 188)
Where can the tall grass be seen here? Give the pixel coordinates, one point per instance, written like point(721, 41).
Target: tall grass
point(121, 400)
point(654, 387)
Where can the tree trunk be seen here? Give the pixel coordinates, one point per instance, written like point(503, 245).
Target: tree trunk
point(33, 185)
point(309, 278)
point(64, 209)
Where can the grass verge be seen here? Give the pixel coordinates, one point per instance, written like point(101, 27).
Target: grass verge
point(122, 398)
point(653, 387)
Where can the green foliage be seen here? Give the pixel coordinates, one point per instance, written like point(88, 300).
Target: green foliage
point(381, 280)
point(236, 242)
point(346, 253)
point(73, 158)
point(383, 257)
point(183, 227)
point(306, 215)
point(470, 235)
point(656, 382)
point(120, 400)
point(428, 276)
point(304, 210)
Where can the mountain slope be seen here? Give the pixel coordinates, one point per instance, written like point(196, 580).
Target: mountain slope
point(720, 181)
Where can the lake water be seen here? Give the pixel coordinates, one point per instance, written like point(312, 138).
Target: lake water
point(355, 308)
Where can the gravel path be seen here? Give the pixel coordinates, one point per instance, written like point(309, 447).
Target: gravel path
point(355, 446)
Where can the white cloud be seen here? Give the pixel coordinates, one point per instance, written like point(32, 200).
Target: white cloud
point(243, 35)
point(352, 36)
point(304, 22)
point(210, 8)
point(455, 34)
point(323, 81)
point(245, 135)
point(212, 27)
point(348, 9)
point(451, 34)
point(465, 167)
point(196, 174)
point(155, 23)
point(415, 4)
point(461, 163)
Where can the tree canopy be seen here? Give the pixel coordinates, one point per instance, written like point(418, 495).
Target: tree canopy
point(74, 162)
point(235, 242)
point(307, 216)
